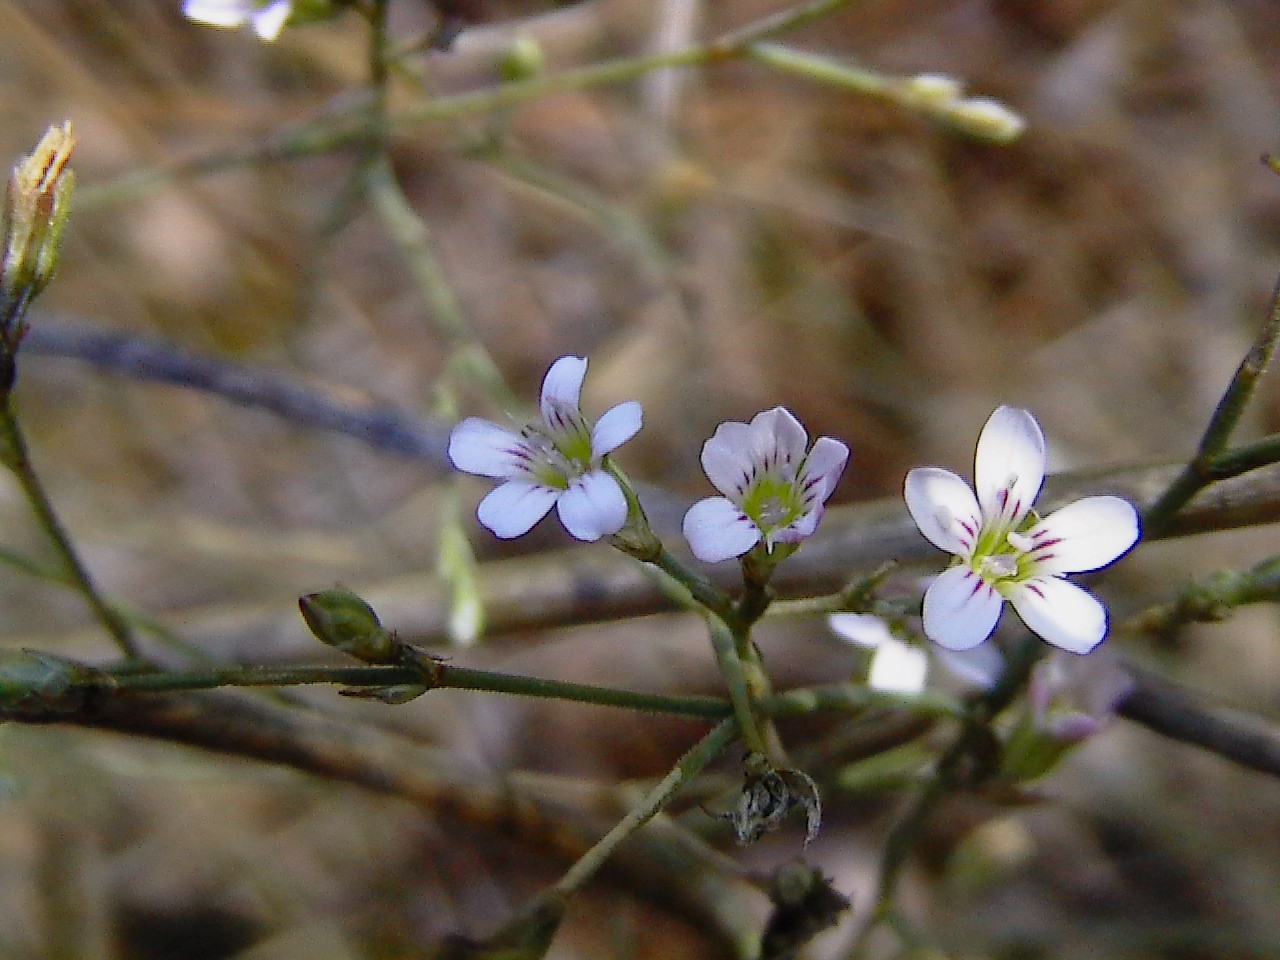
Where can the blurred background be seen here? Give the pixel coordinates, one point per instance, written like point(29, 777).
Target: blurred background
point(717, 242)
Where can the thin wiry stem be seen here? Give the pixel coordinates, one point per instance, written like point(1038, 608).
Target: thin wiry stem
point(351, 125)
point(18, 459)
point(442, 676)
point(412, 237)
point(689, 766)
point(735, 678)
point(1212, 455)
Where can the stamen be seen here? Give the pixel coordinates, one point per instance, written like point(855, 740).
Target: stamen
point(1020, 541)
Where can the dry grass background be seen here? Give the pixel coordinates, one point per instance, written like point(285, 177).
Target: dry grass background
point(887, 279)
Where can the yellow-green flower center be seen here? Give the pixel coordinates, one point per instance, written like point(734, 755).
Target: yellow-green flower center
point(772, 503)
point(560, 448)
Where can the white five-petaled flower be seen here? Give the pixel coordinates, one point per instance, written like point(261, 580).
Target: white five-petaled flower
point(775, 489)
point(266, 18)
point(1005, 551)
point(553, 463)
point(898, 667)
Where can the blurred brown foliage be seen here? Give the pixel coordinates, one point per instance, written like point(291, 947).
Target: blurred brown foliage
point(717, 242)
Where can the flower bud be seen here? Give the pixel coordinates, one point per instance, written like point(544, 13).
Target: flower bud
point(522, 60)
point(37, 202)
point(986, 118)
point(932, 89)
point(341, 619)
point(1070, 698)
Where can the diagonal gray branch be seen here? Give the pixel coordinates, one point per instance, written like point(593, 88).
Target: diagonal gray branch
point(159, 361)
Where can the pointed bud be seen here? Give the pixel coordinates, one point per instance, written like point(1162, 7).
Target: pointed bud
point(986, 118)
point(341, 619)
point(456, 567)
point(37, 202)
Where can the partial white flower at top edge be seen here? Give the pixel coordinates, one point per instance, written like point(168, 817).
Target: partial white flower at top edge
point(267, 19)
point(775, 489)
point(1007, 552)
point(553, 463)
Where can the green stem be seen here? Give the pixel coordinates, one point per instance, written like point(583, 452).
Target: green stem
point(1205, 466)
point(706, 593)
point(435, 676)
point(725, 645)
point(780, 22)
point(813, 67)
point(689, 766)
point(351, 125)
point(850, 698)
point(949, 776)
point(17, 458)
point(413, 240)
point(1249, 456)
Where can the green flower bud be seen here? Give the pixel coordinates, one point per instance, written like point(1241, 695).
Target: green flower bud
point(522, 60)
point(341, 619)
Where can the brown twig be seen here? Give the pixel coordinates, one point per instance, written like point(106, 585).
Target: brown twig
point(516, 805)
point(1187, 716)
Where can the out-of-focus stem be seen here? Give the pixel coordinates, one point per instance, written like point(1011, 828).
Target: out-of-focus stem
point(689, 766)
point(14, 454)
point(1212, 454)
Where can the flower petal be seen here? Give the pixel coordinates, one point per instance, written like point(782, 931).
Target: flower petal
point(593, 506)
point(562, 386)
point(1084, 535)
point(1062, 613)
point(944, 508)
point(217, 13)
point(978, 667)
point(512, 509)
point(615, 427)
point(898, 668)
point(1009, 465)
point(864, 629)
point(777, 437)
point(960, 609)
point(717, 530)
point(485, 449)
point(726, 459)
point(799, 529)
point(270, 20)
point(822, 468)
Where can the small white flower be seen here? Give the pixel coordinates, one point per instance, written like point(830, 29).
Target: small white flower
point(896, 667)
point(774, 491)
point(553, 463)
point(266, 18)
point(1005, 551)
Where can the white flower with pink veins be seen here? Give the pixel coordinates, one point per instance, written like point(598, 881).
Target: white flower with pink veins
point(775, 488)
point(556, 463)
point(1005, 551)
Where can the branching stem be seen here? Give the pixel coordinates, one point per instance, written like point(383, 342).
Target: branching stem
point(15, 456)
